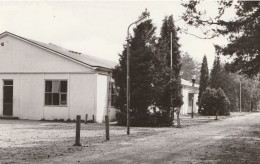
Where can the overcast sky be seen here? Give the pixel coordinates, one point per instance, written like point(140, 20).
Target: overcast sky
point(95, 28)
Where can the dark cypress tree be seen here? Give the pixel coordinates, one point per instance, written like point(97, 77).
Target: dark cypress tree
point(141, 50)
point(204, 78)
point(215, 75)
point(167, 81)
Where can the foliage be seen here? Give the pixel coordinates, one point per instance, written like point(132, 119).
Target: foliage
point(141, 50)
point(243, 31)
point(223, 103)
point(166, 81)
point(250, 93)
point(190, 68)
point(215, 74)
point(230, 85)
point(204, 79)
point(214, 102)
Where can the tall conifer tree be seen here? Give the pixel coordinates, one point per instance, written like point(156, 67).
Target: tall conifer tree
point(215, 75)
point(204, 77)
point(167, 81)
point(141, 50)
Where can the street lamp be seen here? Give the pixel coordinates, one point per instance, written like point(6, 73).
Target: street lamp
point(127, 76)
point(240, 95)
point(193, 84)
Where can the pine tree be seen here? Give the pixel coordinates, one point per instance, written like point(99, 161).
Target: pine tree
point(215, 75)
point(141, 50)
point(204, 78)
point(167, 81)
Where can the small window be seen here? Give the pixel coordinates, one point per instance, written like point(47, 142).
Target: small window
point(114, 94)
point(55, 92)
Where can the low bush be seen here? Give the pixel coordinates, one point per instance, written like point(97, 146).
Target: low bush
point(214, 102)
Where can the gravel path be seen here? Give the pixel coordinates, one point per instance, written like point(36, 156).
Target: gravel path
point(233, 139)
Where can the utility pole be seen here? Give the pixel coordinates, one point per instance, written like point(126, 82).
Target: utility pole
point(171, 49)
point(193, 85)
point(171, 79)
point(128, 86)
point(240, 109)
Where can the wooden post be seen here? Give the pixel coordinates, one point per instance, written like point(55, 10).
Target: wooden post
point(93, 116)
point(192, 107)
point(86, 119)
point(77, 140)
point(178, 117)
point(107, 127)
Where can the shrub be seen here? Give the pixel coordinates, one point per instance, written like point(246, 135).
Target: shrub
point(223, 103)
point(214, 102)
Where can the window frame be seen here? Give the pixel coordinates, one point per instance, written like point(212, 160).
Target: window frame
point(60, 93)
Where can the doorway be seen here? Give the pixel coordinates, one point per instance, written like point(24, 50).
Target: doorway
point(191, 97)
point(8, 97)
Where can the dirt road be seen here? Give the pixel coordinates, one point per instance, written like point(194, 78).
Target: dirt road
point(233, 140)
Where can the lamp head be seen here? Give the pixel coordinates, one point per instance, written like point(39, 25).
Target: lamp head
point(193, 80)
point(142, 19)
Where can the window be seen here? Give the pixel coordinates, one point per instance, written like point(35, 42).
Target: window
point(114, 94)
point(55, 92)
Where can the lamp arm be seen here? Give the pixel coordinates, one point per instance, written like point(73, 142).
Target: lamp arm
point(136, 22)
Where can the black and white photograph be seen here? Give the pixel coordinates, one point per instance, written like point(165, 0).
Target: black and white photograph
point(149, 81)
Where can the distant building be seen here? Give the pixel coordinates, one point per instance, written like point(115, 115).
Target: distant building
point(44, 81)
point(190, 95)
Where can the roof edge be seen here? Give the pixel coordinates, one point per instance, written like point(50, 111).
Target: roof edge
point(53, 51)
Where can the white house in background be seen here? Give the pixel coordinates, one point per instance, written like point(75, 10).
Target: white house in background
point(190, 95)
point(44, 81)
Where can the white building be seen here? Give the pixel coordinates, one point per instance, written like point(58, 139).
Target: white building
point(44, 81)
point(190, 97)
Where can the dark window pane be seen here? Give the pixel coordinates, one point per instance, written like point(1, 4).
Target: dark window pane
point(48, 98)
point(55, 98)
point(8, 82)
point(48, 86)
point(63, 86)
point(63, 99)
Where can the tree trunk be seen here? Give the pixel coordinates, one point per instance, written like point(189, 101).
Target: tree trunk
point(217, 115)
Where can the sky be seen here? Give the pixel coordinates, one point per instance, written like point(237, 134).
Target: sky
point(97, 28)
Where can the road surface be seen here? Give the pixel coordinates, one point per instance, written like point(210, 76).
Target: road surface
point(232, 140)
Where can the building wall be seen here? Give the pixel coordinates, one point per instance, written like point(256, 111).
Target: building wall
point(184, 108)
point(28, 96)
point(102, 88)
point(82, 95)
point(31, 96)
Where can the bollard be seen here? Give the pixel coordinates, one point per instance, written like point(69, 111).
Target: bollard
point(93, 118)
point(86, 119)
point(107, 127)
point(77, 140)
